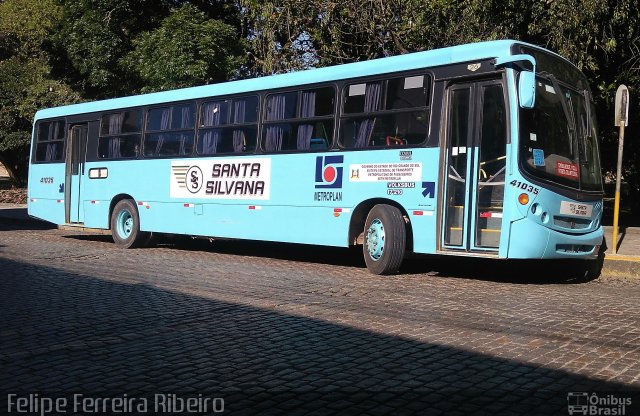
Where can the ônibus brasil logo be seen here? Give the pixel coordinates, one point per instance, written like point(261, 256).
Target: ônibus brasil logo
point(329, 171)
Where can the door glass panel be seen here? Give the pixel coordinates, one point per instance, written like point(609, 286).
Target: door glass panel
point(457, 170)
point(491, 167)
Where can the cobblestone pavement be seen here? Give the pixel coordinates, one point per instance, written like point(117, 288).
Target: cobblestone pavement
point(288, 329)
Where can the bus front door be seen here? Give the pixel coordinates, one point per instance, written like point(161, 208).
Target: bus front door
point(75, 172)
point(475, 161)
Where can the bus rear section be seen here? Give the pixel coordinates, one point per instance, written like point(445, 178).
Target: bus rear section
point(50, 182)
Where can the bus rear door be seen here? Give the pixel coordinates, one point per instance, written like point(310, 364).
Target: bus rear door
point(75, 171)
point(475, 167)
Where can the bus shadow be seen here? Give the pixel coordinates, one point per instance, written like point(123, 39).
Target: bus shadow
point(496, 270)
point(79, 333)
point(537, 272)
point(349, 257)
point(8, 222)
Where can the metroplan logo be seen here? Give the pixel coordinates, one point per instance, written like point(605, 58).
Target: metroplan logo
point(329, 171)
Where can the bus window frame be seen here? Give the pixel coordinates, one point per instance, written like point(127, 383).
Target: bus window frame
point(36, 133)
point(200, 102)
point(144, 131)
point(264, 94)
point(427, 108)
point(140, 133)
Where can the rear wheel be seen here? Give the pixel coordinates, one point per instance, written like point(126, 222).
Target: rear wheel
point(125, 225)
point(385, 239)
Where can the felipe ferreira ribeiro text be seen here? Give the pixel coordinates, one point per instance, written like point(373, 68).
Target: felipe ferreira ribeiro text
point(35, 404)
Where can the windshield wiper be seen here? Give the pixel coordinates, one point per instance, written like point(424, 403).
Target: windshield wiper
point(588, 133)
point(587, 106)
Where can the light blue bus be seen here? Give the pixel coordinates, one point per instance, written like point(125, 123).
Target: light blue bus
point(486, 149)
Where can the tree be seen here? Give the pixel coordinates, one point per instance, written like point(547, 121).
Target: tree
point(26, 84)
point(187, 49)
point(94, 37)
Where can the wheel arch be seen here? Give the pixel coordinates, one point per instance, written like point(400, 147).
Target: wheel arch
point(359, 217)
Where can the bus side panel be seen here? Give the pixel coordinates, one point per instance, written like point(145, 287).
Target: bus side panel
point(404, 177)
point(253, 222)
point(46, 192)
point(309, 198)
point(126, 177)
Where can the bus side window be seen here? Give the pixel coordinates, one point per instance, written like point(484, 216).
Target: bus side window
point(402, 119)
point(50, 141)
point(170, 131)
point(120, 135)
point(228, 126)
point(301, 120)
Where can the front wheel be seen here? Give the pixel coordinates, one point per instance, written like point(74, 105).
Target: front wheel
point(385, 239)
point(125, 225)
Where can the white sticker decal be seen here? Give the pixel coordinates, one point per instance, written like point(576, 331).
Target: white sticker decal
point(533, 137)
point(576, 208)
point(550, 89)
point(357, 89)
point(385, 172)
point(221, 179)
point(413, 82)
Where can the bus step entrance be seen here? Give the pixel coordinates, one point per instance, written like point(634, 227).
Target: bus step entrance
point(489, 225)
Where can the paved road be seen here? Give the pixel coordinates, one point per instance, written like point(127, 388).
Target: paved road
point(287, 329)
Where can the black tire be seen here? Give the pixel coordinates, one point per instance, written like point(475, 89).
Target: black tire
point(385, 239)
point(593, 268)
point(125, 225)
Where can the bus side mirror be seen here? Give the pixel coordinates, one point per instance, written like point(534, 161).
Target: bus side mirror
point(527, 79)
point(527, 89)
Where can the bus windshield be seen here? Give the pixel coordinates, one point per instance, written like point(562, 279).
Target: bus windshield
point(558, 137)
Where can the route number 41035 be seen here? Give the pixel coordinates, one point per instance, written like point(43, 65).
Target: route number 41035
point(525, 186)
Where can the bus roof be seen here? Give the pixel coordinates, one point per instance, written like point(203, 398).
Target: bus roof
point(435, 57)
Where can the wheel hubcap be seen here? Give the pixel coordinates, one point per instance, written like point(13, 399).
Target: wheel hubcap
point(124, 223)
point(375, 239)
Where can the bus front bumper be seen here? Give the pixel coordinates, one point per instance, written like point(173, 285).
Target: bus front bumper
point(529, 240)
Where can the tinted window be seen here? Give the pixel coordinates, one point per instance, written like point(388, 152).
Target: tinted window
point(297, 136)
point(121, 123)
point(51, 130)
point(214, 113)
point(178, 117)
point(399, 129)
point(228, 126)
point(227, 140)
point(168, 144)
point(406, 92)
point(50, 141)
point(360, 98)
point(123, 147)
point(281, 106)
point(317, 103)
point(120, 135)
point(305, 128)
point(244, 110)
point(386, 113)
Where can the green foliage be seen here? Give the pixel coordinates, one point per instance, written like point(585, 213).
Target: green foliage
point(26, 84)
point(186, 49)
point(25, 25)
point(96, 34)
